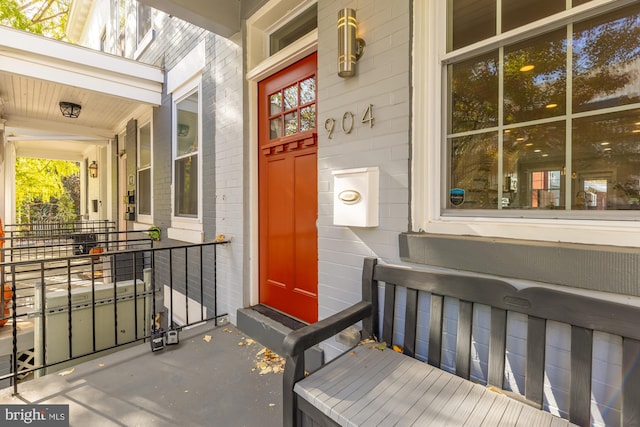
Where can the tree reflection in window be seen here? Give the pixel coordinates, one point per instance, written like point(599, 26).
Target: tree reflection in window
point(513, 100)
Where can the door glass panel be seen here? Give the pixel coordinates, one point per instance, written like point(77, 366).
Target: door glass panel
point(275, 103)
point(307, 90)
point(291, 97)
point(275, 126)
point(187, 126)
point(308, 118)
point(291, 123)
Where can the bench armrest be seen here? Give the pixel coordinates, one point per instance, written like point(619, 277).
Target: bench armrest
point(296, 342)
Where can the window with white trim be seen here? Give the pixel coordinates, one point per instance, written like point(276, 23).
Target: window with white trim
point(144, 22)
point(543, 109)
point(145, 182)
point(186, 150)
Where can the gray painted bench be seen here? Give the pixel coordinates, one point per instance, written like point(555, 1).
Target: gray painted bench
point(366, 386)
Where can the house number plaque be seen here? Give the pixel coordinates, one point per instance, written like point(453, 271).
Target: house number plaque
point(348, 120)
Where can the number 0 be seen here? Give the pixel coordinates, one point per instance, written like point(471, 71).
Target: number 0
point(345, 129)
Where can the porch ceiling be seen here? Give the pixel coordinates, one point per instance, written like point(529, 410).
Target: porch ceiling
point(37, 73)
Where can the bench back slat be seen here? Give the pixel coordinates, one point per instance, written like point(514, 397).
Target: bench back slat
point(580, 396)
point(435, 330)
point(536, 342)
point(540, 304)
point(630, 382)
point(389, 313)
point(497, 347)
point(411, 323)
point(463, 339)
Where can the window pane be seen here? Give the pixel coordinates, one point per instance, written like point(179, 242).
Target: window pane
point(308, 118)
point(606, 161)
point(186, 192)
point(275, 103)
point(605, 65)
point(291, 97)
point(516, 13)
point(302, 24)
point(275, 128)
point(187, 126)
point(308, 90)
point(144, 192)
point(533, 167)
point(474, 94)
point(473, 20)
point(535, 78)
point(144, 141)
point(144, 20)
point(474, 172)
point(291, 123)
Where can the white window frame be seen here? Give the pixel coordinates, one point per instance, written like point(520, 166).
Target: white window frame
point(429, 124)
point(182, 80)
point(145, 219)
point(149, 36)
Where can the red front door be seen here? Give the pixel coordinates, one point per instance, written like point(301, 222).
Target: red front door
point(288, 194)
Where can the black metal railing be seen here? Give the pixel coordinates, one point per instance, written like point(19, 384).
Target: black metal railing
point(69, 308)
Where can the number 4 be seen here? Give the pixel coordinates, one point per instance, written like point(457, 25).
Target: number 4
point(367, 117)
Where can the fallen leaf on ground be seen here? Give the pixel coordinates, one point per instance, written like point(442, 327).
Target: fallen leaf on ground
point(268, 362)
point(67, 372)
point(101, 365)
point(272, 404)
point(367, 341)
point(240, 343)
point(249, 341)
point(227, 330)
point(381, 346)
point(397, 349)
point(352, 353)
point(207, 338)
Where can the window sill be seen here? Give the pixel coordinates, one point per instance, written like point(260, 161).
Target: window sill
point(185, 235)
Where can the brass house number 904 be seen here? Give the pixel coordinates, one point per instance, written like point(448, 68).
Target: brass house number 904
point(348, 121)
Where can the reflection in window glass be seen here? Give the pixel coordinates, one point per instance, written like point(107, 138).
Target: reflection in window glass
point(474, 170)
point(291, 123)
point(474, 94)
point(531, 157)
point(606, 149)
point(308, 118)
point(186, 193)
point(275, 103)
point(605, 64)
point(144, 142)
point(187, 126)
point(516, 13)
point(535, 79)
point(144, 191)
point(473, 20)
point(292, 109)
point(186, 161)
point(291, 97)
point(307, 90)
point(578, 154)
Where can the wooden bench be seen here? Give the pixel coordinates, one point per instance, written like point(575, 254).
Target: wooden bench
point(366, 386)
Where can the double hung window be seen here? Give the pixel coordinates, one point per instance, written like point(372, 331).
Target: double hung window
point(543, 109)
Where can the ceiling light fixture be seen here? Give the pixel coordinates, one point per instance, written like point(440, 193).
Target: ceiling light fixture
point(69, 109)
point(526, 68)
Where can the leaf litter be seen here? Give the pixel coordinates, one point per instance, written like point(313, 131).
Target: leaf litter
point(268, 362)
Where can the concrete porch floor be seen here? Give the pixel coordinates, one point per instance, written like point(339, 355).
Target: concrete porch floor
point(194, 383)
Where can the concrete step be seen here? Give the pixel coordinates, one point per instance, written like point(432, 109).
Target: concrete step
point(270, 333)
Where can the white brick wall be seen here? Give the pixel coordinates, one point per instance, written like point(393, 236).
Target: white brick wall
point(229, 192)
point(382, 80)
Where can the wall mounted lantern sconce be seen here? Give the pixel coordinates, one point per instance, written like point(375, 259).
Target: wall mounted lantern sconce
point(93, 169)
point(70, 110)
point(350, 47)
